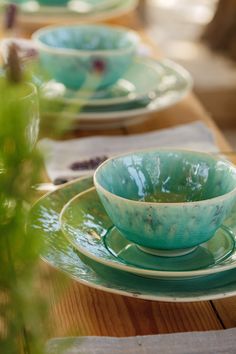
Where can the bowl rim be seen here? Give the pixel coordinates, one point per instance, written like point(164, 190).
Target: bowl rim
point(130, 201)
point(135, 40)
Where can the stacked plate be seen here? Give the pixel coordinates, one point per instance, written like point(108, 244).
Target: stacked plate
point(100, 76)
point(43, 12)
point(147, 86)
point(82, 242)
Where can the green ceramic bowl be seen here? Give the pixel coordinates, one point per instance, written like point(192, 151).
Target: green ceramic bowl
point(167, 201)
point(88, 56)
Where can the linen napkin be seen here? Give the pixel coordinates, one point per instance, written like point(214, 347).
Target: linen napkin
point(69, 159)
point(210, 342)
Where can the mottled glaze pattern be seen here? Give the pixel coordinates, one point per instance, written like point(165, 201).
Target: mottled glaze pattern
point(86, 5)
point(87, 226)
point(201, 178)
point(144, 80)
point(92, 57)
point(44, 221)
point(53, 2)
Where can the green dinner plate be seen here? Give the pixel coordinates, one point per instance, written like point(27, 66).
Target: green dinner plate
point(44, 221)
point(58, 6)
point(33, 13)
point(87, 226)
point(134, 109)
point(146, 79)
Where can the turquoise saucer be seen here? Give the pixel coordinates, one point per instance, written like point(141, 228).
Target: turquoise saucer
point(58, 252)
point(87, 226)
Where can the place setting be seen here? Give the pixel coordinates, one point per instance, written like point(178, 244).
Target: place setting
point(155, 224)
point(107, 83)
point(118, 177)
point(113, 85)
point(44, 12)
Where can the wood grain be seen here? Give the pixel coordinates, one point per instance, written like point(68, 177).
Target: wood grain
point(226, 310)
point(79, 310)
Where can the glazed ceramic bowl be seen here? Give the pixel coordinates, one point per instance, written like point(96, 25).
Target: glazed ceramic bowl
point(88, 56)
point(167, 201)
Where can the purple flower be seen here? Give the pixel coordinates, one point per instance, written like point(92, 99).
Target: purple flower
point(99, 66)
point(90, 164)
point(14, 72)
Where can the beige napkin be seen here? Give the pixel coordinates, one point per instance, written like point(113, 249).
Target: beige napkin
point(211, 342)
point(61, 155)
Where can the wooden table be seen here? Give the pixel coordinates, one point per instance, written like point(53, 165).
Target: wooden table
point(75, 309)
point(80, 310)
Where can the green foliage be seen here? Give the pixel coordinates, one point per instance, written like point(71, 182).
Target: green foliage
point(22, 310)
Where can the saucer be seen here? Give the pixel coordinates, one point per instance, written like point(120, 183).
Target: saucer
point(146, 79)
point(59, 253)
point(87, 226)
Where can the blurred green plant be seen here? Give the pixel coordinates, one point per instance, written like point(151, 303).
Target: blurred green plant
point(22, 309)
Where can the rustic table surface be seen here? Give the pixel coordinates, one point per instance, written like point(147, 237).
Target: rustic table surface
point(76, 309)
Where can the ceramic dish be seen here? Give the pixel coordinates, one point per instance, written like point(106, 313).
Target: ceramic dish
point(80, 6)
point(92, 57)
point(35, 17)
point(44, 221)
point(172, 80)
point(168, 93)
point(58, 6)
point(167, 201)
point(87, 226)
point(146, 79)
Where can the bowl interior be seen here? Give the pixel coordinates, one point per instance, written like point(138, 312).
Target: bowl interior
point(167, 176)
point(87, 38)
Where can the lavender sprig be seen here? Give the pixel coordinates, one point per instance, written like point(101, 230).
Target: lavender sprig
point(13, 67)
point(90, 164)
point(10, 16)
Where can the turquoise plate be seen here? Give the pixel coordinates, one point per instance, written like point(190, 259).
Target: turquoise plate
point(58, 6)
point(168, 94)
point(34, 15)
point(146, 79)
point(87, 226)
point(44, 221)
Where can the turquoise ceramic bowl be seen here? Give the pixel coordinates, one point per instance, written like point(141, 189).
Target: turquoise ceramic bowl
point(88, 56)
point(167, 201)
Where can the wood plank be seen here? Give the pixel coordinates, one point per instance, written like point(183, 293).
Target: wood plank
point(221, 104)
point(186, 111)
point(226, 310)
point(82, 310)
point(76, 309)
